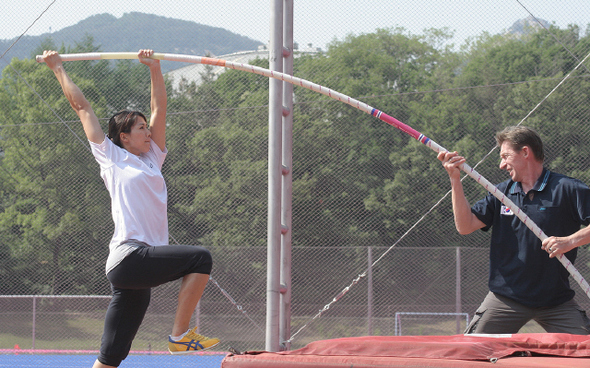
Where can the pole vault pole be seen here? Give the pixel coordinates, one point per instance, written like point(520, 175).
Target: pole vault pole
point(356, 104)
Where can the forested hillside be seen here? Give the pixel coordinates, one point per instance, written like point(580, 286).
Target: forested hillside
point(134, 31)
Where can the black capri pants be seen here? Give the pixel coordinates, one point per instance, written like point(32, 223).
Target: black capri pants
point(131, 282)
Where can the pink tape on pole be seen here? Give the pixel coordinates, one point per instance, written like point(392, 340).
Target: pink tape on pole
point(210, 61)
point(401, 126)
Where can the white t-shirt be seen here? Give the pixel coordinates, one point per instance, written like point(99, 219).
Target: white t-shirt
point(138, 196)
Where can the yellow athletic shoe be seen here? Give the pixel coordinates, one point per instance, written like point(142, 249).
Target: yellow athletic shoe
point(190, 343)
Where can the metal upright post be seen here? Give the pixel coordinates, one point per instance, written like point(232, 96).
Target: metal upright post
point(34, 321)
point(287, 188)
point(275, 112)
point(458, 306)
point(370, 291)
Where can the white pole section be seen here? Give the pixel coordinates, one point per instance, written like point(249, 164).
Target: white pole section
point(275, 121)
point(287, 188)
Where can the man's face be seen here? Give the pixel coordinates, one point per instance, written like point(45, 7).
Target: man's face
point(512, 161)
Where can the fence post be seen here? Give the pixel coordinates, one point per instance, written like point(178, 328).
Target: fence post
point(458, 287)
point(34, 319)
point(370, 291)
point(198, 316)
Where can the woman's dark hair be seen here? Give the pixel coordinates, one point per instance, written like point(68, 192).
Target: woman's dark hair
point(122, 122)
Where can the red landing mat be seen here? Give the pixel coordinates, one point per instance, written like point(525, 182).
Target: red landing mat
point(457, 351)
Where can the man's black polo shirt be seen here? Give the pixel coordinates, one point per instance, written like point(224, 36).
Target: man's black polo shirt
point(519, 268)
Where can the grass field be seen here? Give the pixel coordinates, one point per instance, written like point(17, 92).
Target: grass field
point(74, 331)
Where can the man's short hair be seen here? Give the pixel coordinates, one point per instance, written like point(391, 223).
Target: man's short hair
point(520, 136)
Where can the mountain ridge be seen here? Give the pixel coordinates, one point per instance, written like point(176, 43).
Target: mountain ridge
point(133, 31)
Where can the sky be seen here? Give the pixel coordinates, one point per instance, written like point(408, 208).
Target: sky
point(316, 22)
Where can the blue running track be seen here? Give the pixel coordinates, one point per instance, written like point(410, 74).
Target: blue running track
point(132, 361)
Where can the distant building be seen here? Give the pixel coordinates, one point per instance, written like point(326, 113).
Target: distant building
point(193, 72)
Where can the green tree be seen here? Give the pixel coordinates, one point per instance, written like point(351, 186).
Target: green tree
point(216, 169)
point(350, 157)
point(55, 223)
point(52, 186)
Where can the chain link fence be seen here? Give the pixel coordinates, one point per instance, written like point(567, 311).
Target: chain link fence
point(367, 200)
